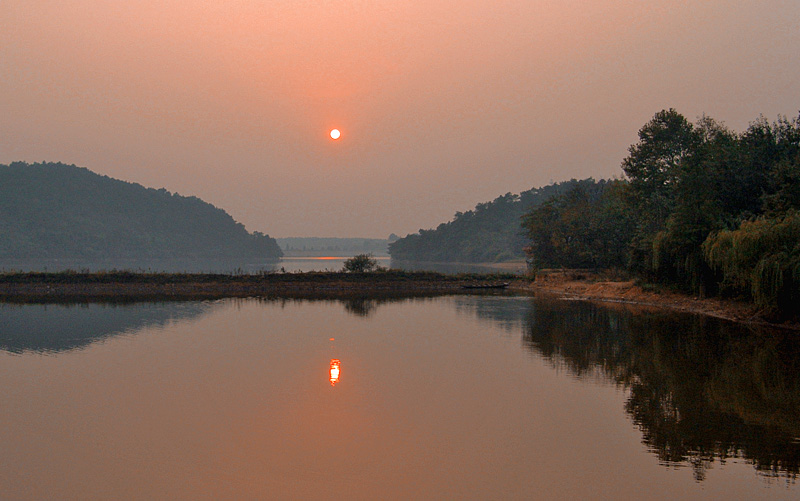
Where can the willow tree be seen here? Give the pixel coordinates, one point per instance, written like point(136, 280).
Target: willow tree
point(761, 259)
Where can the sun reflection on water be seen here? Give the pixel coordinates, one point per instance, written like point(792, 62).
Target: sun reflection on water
point(334, 371)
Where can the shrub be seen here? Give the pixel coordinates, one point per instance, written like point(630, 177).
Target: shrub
point(360, 264)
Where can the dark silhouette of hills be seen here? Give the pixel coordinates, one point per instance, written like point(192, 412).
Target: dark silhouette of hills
point(55, 211)
point(332, 246)
point(492, 232)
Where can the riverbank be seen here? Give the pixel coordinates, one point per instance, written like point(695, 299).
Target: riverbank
point(581, 285)
point(129, 286)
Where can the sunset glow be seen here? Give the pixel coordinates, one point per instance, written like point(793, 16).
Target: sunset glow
point(501, 187)
point(334, 371)
point(444, 104)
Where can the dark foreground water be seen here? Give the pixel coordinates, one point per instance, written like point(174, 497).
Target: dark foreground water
point(477, 397)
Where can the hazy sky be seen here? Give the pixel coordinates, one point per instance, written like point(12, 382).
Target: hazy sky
point(442, 104)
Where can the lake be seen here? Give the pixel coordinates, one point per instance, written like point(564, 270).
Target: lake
point(459, 397)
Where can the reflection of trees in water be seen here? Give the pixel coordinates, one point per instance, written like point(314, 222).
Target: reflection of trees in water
point(360, 306)
point(62, 327)
point(502, 310)
point(498, 309)
point(700, 389)
point(366, 306)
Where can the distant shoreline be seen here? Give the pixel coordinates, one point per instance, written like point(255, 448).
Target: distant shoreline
point(125, 286)
point(323, 255)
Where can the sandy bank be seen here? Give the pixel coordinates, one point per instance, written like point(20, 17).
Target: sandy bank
point(585, 286)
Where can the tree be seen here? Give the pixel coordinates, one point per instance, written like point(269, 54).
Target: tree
point(653, 167)
point(360, 263)
point(705, 182)
point(589, 226)
point(761, 259)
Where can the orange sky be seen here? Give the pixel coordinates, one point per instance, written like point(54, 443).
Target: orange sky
point(442, 104)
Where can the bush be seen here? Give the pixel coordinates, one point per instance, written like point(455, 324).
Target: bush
point(360, 264)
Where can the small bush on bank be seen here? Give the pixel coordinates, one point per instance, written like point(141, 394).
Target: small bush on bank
point(360, 263)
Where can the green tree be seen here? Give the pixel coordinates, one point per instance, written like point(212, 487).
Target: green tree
point(761, 259)
point(698, 207)
point(589, 226)
point(360, 263)
point(653, 167)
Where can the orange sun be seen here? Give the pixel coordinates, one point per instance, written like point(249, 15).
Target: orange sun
point(335, 134)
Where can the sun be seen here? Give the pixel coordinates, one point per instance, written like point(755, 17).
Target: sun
point(335, 134)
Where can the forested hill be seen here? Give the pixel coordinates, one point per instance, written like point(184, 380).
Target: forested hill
point(492, 232)
point(58, 211)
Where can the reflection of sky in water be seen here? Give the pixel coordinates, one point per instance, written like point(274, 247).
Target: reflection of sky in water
point(444, 397)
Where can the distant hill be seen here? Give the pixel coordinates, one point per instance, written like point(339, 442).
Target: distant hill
point(332, 246)
point(57, 211)
point(490, 233)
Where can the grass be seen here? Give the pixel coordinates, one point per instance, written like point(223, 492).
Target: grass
point(131, 277)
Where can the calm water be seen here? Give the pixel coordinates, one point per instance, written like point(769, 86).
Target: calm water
point(477, 397)
point(287, 264)
point(321, 263)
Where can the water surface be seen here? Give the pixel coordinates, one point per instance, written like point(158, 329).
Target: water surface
point(321, 263)
point(477, 397)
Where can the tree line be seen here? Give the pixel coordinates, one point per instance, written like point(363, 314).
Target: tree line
point(701, 207)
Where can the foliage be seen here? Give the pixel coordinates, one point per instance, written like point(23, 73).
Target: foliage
point(694, 194)
point(703, 208)
point(738, 188)
point(762, 259)
point(586, 227)
point(360, 263)
point(489, 233)
point(653, 167)
point(58, 211)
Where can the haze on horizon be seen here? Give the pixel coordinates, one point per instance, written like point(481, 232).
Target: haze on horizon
point(442, 104)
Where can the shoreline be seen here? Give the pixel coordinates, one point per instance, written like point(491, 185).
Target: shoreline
point(563, 284)
point(586, 286)
point(123, 286)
